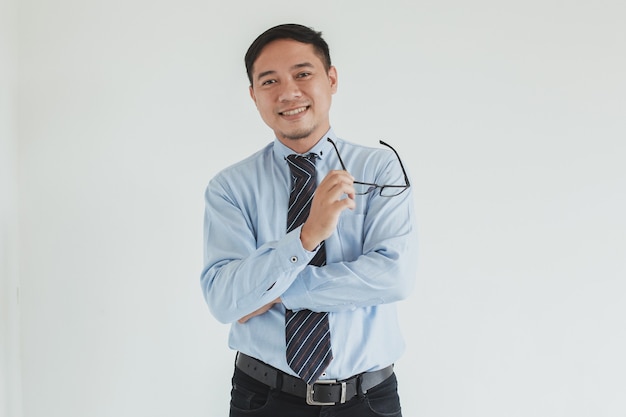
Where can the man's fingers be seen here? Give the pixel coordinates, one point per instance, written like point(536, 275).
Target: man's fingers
point(258, 312)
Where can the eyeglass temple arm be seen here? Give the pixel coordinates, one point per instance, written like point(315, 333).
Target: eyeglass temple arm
point(337, 152)
point(406, 177)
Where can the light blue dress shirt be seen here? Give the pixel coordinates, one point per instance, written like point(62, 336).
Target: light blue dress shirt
point(250, 260)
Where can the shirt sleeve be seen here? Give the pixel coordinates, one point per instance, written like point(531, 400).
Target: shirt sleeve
point(238, 277)
point(371, 258)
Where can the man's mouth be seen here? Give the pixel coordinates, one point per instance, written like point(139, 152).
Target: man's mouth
point(294, 111)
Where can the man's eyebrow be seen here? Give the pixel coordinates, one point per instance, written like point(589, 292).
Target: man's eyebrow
point(264, 74)
point(297, 66)
point(303, 65)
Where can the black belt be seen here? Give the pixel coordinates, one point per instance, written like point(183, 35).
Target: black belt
point(322, 392)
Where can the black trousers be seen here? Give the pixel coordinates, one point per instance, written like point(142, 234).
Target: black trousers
point(251, 398)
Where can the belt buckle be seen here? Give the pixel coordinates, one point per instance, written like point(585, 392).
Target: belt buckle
point(310, 392)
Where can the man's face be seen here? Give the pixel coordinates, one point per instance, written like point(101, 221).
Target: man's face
point(292, 91)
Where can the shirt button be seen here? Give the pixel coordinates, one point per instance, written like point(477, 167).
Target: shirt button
point(294, 259)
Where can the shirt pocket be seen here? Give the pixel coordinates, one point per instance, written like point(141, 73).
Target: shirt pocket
point(350, 233)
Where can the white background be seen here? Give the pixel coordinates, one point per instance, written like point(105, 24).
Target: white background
point(511, 117)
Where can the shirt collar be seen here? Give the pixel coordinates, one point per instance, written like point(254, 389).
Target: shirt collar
point(322, 148)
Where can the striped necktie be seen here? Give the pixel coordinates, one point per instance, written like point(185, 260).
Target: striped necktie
point(307, 333)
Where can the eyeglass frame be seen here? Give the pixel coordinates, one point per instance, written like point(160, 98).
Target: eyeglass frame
point(374, 186)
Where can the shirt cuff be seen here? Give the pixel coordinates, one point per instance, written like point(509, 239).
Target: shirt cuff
point(293, 251)
point(297, 296)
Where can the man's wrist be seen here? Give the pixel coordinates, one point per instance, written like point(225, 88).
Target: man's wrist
point(308, 243)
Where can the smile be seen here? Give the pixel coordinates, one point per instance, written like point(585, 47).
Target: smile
point(294, 111)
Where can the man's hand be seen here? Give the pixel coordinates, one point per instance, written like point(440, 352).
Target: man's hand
point(259, 311)
point(334, 194)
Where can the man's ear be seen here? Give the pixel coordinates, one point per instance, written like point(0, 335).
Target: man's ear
point(332, 77)
point(252, 96)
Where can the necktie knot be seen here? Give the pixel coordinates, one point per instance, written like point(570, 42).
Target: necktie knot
point(302, 165)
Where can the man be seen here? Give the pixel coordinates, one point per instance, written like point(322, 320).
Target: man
point(307, 278)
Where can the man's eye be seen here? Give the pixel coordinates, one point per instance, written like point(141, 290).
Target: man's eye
point(303, 74)
point(268, 82)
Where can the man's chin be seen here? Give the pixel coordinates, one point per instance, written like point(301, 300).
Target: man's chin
point(298, 135)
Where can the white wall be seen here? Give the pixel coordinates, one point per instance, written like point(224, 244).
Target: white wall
point(510, 116)
point(10, 384)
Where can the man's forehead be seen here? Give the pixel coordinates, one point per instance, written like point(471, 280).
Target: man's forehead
point(286, 54)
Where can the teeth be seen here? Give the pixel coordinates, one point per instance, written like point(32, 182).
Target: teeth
point(294, 112)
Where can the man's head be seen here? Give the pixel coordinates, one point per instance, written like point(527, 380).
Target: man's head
point(292, 84)
point(291, 31)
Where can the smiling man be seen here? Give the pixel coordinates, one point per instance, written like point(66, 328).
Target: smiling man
point(308, 245)
point(292, 88)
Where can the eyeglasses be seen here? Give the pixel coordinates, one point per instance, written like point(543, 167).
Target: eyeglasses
point(387, 190)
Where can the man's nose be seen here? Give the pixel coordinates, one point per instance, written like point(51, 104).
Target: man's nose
point(289, 90)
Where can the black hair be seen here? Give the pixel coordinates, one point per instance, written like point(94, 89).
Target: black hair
point(293, 31)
